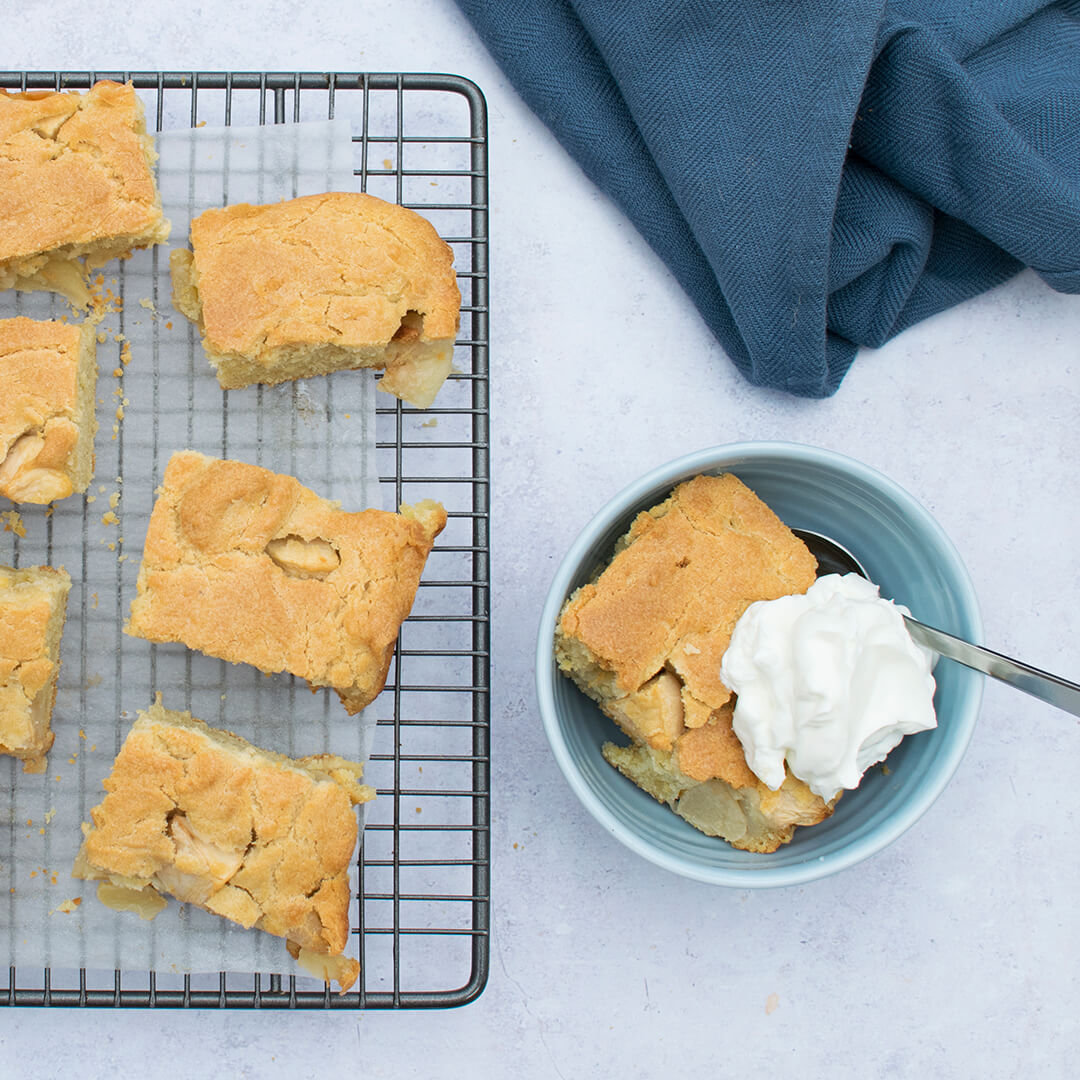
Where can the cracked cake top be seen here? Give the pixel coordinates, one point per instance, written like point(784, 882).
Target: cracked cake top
point(256, 837)
point(75, 176)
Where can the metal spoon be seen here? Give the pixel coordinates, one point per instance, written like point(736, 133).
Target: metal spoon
point(833, 558)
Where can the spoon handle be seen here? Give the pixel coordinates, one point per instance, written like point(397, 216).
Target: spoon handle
point(1041, 684)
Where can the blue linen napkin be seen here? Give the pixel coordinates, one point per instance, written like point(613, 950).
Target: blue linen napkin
point(818, 176)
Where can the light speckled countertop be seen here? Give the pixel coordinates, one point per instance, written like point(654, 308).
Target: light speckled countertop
point(951, 954)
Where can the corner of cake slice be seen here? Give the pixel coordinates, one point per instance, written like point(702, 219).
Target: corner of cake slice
point(48, 374)
point(76, 186)
point(33, 603)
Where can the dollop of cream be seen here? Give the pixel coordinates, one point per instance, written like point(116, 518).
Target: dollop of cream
point(829, 681)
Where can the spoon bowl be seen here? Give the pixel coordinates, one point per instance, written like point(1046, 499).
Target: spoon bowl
point(834, 558)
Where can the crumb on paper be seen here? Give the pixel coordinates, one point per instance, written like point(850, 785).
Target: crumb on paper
point(147, 303)
point(91, 498)
point(117, 372)
point(93, 747)
point(109, 518)
point(67, 907)
point(515, 845)
point(57, 777)
point(50, 814)
point(772, 1002)
point(94, 597)
point(82, 734)
point(885, 770)
point(168, 325)
point(120, 558)
point(114, 500)
point(29, 822)
point(387, 163)
point(111, 545)
point(49, 510)
point(101, 489)
point(433, 422)
point(125, 353)
point(13, 522)
point(41, 832)
point(102, 337)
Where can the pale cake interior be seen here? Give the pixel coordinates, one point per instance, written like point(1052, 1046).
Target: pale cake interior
point(33, 604)
point(48, 377)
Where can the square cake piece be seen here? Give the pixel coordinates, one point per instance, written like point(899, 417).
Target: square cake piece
point(76, 186)
point(48, 372)
point(252, 567)
point(253, 836)
point(33, 602)
point(319, 284)
point(645, 640)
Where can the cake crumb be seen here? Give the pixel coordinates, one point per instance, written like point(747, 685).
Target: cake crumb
point(102, 337)
point(114, 500)
point(771, 1004)
point(117, 372)
point(13, 522)
point(433, 422)
point(94, 597)
point(67, 907)
point(109, 518)
point(168, 325)
point(49, 815)
point(387, 163)
point(91, 498)
point(147, 303)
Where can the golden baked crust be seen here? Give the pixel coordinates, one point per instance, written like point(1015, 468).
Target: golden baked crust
point(33, 602)
point(76, 183)
point(646, 640)
point(318, 284)
point(252, 567)
point(253, 836)
point(48, 372)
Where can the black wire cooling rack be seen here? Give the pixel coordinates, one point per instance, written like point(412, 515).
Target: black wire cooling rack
point(422, 909)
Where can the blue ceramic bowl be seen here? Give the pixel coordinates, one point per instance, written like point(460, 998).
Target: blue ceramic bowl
point(903, 550)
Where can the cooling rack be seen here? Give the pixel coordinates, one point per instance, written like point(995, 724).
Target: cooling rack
point(421, 913)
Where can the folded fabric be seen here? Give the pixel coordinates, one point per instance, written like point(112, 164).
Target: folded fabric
point(817, 176)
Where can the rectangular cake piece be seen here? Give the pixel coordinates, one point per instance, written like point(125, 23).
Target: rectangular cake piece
point(252, 567)
point(48, 372)
point(253, 836)
point(318, 284)
point(76, 186)
point(645, 640)
point(33, 602)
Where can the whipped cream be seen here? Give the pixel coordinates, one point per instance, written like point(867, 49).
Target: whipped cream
point(829, 681)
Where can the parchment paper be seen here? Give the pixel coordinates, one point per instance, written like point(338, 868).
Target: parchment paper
point(322, 431)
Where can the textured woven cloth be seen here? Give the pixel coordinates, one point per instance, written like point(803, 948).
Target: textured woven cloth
point(818, 176)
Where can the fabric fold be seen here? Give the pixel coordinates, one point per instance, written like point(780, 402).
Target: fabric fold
point(817, 178)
